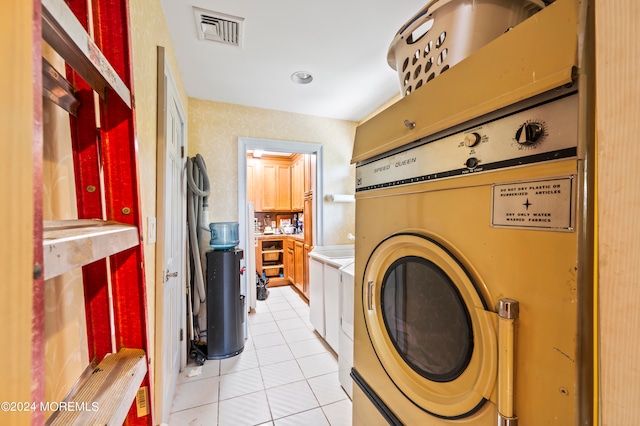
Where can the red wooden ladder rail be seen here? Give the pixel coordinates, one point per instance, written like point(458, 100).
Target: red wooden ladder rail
point(108, 148)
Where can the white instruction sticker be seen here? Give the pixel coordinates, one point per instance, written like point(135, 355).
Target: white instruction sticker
point(541, 204)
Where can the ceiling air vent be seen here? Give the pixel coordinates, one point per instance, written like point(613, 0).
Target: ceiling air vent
point(218, 27)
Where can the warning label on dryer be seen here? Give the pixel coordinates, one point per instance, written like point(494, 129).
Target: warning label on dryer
point(541, 204)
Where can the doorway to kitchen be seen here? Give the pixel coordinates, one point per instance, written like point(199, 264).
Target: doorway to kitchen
point(246, 212)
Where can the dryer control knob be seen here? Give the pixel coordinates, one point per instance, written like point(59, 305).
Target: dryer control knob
point(472, 163)
point(529, 133)
point(471, 139)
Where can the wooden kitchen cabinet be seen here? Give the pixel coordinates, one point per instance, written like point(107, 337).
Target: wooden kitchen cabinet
point(283, 259)
point(305, 262)
point(275, 177)
point(290, 261)
point(272, 260)
point(308, 220)
point(298, 273)
point(309, 174)
point(276, 184)
point(269, 187)
point(283, 195)
point(297, 183)
point(308, 240)
point(309, 171)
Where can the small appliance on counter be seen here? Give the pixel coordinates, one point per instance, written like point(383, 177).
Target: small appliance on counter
point(268, 225)
point(285, 226)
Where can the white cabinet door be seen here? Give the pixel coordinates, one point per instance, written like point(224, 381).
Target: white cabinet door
point(332, 306)
point(316, 295)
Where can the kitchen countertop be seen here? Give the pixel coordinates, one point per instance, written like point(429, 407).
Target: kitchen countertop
point(299, 237)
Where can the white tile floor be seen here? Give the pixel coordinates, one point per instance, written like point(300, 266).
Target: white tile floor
point(284, 377)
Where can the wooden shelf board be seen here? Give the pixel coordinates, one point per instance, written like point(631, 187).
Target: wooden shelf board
point(278, 282)
point(105, 398)
point(276, 266)
point(69, 244)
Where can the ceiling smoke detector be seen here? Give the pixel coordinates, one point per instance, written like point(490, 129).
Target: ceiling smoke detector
point(219, 27)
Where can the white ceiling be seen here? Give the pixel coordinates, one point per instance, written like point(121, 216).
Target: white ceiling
point(342, 43)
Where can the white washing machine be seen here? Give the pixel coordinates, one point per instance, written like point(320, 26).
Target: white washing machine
point(324, 289)
point(345, 352)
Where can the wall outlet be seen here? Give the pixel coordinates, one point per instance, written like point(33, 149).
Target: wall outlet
point(151, 230)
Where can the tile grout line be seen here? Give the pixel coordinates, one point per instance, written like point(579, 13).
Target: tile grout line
point(306, 379)
point(291, 314)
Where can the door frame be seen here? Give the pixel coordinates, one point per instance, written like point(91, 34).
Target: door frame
point(166, 81)
point(245, 144)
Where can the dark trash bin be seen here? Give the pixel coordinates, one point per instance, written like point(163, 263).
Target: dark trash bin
point(262, 283)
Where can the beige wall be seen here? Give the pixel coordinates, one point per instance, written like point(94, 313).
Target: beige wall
point(214, 129)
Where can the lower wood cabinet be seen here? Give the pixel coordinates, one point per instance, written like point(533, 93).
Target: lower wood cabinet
point(284, 260)
point(290, 261)
point(298, 273)
point(305, 260)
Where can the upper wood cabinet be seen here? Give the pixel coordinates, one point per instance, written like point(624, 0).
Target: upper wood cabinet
point(283, 187)
point(297, 182)
point(276, 184)
point(309, 174)
point(271, 184)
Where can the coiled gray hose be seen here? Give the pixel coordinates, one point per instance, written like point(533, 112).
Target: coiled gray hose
point(197, 203)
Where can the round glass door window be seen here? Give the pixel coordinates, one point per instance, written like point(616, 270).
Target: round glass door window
point(426, 319)
point(430, 328)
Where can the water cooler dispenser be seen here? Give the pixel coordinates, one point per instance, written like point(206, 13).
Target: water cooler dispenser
point(225, 304)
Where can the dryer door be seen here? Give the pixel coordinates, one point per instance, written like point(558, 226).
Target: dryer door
point(429, 327)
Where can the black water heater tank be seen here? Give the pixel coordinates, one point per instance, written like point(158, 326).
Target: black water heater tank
point(225, 304)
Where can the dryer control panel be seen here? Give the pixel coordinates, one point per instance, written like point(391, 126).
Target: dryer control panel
point(544, 132)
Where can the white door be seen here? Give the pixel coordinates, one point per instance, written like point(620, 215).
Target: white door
point(170, 248)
